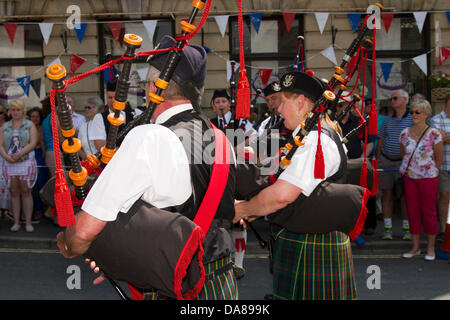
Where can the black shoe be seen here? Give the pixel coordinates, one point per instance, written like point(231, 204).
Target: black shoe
point(238, 272)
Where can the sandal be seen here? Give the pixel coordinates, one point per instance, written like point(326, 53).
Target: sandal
point(15, 228)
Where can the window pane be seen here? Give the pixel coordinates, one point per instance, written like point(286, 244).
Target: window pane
point(27, 42)
point(162, 28)
point(272, 37)
point(403, 35)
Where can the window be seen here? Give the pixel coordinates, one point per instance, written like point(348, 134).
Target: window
point(111, 49)
point(23, 57)
point(273, 47)
point(399, 47)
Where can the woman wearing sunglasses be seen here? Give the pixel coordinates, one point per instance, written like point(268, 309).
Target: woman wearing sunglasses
point(91, 138)
point(421, 147)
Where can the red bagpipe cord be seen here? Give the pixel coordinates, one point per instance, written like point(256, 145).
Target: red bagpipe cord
point(319, 162)
point(373, 120)
point(243, 87)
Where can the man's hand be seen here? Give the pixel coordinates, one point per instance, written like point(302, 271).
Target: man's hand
point(96, 269)
point(63, 248)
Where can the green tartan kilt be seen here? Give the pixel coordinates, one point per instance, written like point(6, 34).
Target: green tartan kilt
point(222, 286)
point(313, 267)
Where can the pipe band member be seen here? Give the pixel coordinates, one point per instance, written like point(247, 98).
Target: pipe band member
point(153, 165)
point(305, 265)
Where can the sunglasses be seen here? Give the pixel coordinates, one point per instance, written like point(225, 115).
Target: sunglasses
point(88, 107)
point(416, 112)
point(395, 98)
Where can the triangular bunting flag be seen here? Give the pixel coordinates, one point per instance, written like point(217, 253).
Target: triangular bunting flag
point(445, 53)
point(387, 20)
point(386, 68)
point(288, 18)
point(75, 63)
point(142, 73)
point(265, 75)
point(329, 54)
point(25, 84)
point(36, 85)
point(206, 49)
point(80, 29)
point(354, 20)
point(448, 15)
point(321, 18)
point(150, 26)
point(256, 18)
point(222, 22)
point(11, 29)
point(46, 29)
point(421, 62)
point(420, 19)
point(115, 28)
point(56, 61)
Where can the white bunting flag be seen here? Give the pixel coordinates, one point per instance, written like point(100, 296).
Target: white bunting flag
point(420, 19)
point(321, 18)
point(421, 62)
point(46, 29)
point(142, 73)
point(222, 22)
point(329, 54)
point(56, 61)
point(150, 26)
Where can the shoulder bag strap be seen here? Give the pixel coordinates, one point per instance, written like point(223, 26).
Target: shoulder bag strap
point(217, 183)
point(418, 141)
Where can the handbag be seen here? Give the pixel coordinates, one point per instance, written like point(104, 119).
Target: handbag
point(399, 184)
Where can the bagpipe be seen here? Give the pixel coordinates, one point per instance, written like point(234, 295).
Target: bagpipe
point(331, 206)
point(174, 265)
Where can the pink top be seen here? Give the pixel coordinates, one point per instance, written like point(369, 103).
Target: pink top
point(422, 164)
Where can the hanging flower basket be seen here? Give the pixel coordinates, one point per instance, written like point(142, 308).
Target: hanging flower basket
point(440, 93)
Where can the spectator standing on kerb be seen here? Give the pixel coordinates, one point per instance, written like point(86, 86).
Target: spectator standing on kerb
point(441, 121)
point(390, 158)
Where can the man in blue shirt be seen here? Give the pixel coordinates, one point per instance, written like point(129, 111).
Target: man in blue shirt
point(389, 158)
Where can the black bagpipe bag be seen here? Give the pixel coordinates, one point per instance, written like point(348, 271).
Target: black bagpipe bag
point(151, 248)
point(330, 207)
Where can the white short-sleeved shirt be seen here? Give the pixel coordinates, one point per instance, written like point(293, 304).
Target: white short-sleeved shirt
point(97, 129)
point(301, 170)
point(78, 120)
point(85, 136)
point(151, 164)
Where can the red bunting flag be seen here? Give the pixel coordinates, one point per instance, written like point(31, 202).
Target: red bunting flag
point(387, 20)
point(11, 28)
point(265, 75)
point(115, 28)
point(445, 53)
point(288, 18)
point(75, 63)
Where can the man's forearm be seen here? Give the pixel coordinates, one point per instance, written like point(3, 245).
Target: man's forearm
point(77, 239)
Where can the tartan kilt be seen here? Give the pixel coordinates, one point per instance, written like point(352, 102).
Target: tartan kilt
point(313, 267)
point(222, 287)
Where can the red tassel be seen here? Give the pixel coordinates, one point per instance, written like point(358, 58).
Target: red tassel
point(319, 164)
point(63, 201)
point(363, 176)
point(373, 119)
point(374, 190)
point(243, 96)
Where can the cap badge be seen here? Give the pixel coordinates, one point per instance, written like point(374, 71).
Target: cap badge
point(276, 87)
point(287, 82)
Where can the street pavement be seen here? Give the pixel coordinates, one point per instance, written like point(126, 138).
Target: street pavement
point(32, 268)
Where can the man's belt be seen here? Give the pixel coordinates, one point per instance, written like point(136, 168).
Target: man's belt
point(212, 272)
point(391, 159)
